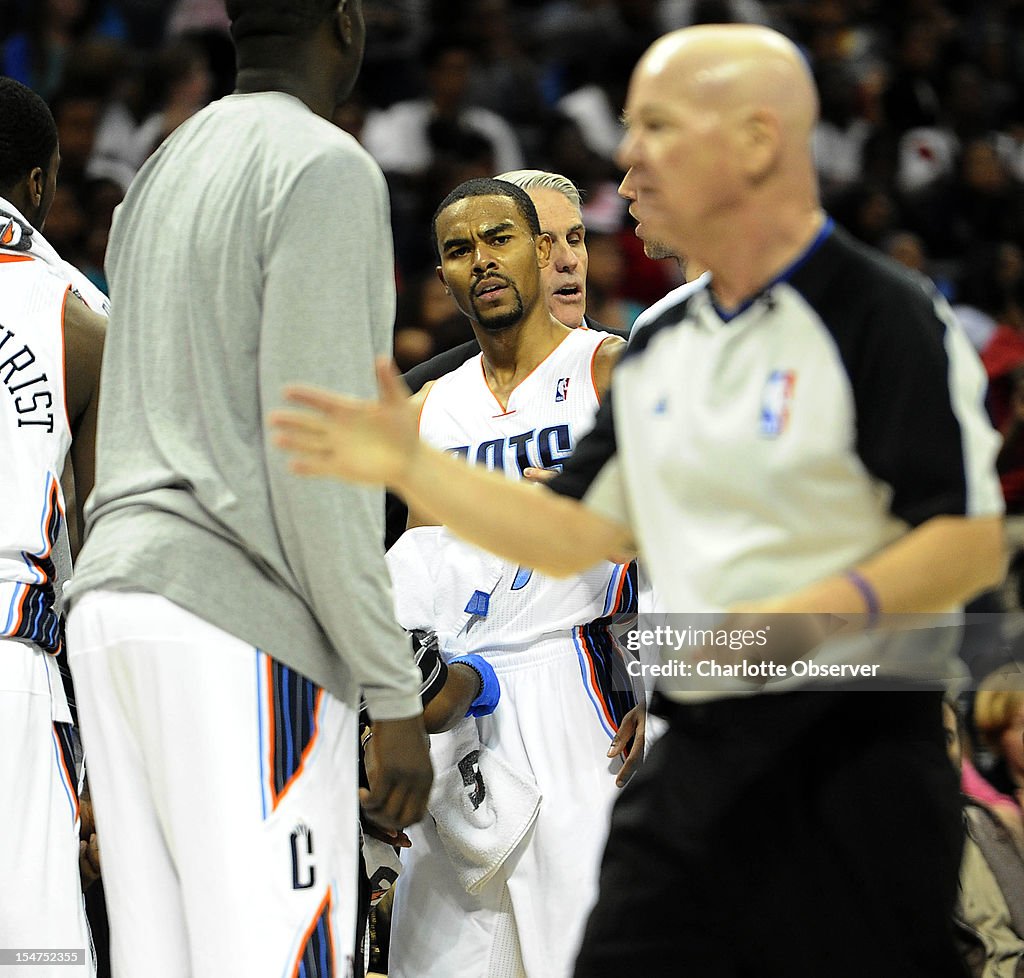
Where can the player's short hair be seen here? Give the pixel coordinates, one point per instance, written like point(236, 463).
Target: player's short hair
point(544, 180)
point(282, 18)
point(489, 187)
point(28, 134)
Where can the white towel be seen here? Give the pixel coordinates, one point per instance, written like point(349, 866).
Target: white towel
point(481, 807)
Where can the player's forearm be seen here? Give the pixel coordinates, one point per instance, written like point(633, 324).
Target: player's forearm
point(527, 524)
point(451, 703)
point(939, 565)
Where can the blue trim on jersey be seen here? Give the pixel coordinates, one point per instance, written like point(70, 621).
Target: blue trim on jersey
point(522, 578)
point(826, 230)
point(262, 739)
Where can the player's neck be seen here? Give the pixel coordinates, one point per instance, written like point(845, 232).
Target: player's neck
point(316, 93)
point(511, 355)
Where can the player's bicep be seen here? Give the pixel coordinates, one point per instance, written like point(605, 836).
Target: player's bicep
point(84, 333)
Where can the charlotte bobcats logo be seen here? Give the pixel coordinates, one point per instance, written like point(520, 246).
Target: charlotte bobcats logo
point(13, 234)
point(303, 870)
point(562, 389)
point(472, 779)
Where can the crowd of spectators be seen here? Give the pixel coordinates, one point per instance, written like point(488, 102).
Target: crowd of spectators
point(920, 147)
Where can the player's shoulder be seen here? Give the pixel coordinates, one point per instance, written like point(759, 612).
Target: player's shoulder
point(27, 274)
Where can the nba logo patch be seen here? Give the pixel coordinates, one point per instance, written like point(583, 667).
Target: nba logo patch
point(775, 402)
point(562, 389)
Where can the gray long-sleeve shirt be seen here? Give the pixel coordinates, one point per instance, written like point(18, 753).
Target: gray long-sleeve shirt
point(252, 250)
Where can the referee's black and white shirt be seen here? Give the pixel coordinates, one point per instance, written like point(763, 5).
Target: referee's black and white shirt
point(755, 452)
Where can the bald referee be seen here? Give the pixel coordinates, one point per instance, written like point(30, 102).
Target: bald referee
point(806, 436)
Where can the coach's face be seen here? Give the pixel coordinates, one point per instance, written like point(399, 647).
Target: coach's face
point(490, 260)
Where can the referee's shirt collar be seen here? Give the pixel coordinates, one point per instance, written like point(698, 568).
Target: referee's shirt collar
point(763, 295)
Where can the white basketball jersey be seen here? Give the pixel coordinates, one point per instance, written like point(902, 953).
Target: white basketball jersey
point(34, 439)
point(489, 602)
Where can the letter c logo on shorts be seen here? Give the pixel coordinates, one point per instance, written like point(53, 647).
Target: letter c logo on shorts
point(304, 875)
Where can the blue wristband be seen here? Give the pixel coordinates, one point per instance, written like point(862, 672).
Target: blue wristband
point(868, 593)
point(490, 691)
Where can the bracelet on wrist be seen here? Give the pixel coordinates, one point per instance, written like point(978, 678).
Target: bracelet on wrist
point(867, 591)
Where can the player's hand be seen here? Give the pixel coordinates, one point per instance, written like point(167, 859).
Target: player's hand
point(399, 774)
point(88, 845)
point(397, 839)
point(540, 476)
point(632, 729)
point(369, 442)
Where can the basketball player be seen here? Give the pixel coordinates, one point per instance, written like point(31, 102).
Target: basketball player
point(805, 437)
point(524, 401)
point(225, 616)
point(50, 349)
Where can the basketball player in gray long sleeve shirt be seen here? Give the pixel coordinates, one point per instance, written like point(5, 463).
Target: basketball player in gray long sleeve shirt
point(226, 614)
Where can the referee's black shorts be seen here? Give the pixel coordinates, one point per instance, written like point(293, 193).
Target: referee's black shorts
point(803, 835)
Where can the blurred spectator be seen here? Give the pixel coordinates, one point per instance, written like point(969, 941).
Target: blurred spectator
point(36, 54)
point(429, 322)
point(177, 83)
point(912, 98)
point(987, 204)
point(683, 13)
point(190, 16)
point(1003, 357)
point(395, 32)
point(999, 720)
point(841, 133)
point(606, 302)
point(506, 76)
point(908, 249)
point(990, 908)
point(405, 137)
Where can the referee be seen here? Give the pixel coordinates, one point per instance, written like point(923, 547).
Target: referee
point(806, 436)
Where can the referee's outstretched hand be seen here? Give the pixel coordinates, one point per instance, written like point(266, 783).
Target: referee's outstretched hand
point(399, 774)
point(363, 441)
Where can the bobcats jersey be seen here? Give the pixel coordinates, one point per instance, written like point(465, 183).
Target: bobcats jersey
point(482, 601)
point(34, 439)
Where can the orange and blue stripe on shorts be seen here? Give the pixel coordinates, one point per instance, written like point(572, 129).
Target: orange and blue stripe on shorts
point(32, 614)
point(603, 669)
point(289, 709)
point(64, 753)
point(316, 947)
